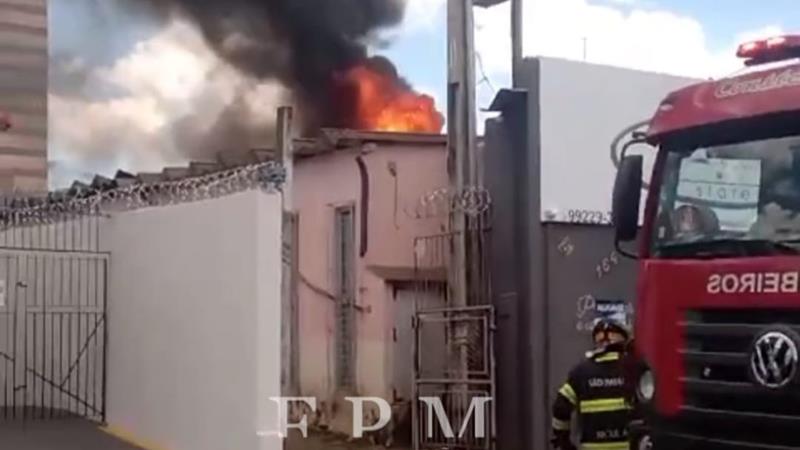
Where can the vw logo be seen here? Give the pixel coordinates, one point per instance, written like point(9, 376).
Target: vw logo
point(774, 360)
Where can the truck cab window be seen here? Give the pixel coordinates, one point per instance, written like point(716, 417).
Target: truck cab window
point(744, 192)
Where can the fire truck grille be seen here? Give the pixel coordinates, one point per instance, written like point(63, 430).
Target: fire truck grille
point(723, 400)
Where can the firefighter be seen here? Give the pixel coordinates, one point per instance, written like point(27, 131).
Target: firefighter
point(595, 392)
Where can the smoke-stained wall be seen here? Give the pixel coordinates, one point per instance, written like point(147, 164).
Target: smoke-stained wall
point(23, 94)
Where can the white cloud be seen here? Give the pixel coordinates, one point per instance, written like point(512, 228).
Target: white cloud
point(422, 15)
point(647, 39)
point(624, 35)
point(168, 93)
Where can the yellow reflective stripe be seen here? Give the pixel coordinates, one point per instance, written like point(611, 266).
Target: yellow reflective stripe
point(603, 405)
point(567, 391)
point(612, 356)
point(560, 425)
point(619, 445)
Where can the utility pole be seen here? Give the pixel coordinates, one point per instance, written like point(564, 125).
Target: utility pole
point(462, 168)
point(461, 142)
point(289, 258)
point(516, 42)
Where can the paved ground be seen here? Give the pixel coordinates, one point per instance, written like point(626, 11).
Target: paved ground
point(67, 434)
point(317, 441)
point(75, 434)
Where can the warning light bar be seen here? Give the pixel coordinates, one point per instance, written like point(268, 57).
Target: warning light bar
point(774, 49)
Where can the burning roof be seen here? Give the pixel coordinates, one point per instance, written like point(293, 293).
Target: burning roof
point(379, 100)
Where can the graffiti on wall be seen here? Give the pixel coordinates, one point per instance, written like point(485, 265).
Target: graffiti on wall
point(606, 265)
point(589, 307)
point(566, 247)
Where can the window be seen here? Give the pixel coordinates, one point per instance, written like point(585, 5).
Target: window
point(747, 192)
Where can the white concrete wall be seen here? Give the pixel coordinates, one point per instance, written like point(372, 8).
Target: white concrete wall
point(583, 108)
point(194, 344)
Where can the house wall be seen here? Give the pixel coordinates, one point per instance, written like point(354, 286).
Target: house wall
point(194, 337)
point(320, 185)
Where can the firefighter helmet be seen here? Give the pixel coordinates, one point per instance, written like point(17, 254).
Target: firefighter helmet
point(606, 324)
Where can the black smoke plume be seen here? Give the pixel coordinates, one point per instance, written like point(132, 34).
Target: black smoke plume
point(301, 43)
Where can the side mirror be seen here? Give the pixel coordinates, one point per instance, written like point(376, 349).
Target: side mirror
point(626, 198)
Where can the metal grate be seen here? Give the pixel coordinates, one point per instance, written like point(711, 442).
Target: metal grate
point(345, 304)
point(453, 361)
point(453, 345)
point(720, 392)
point(52, 311)
point(471, 429)
point(52, 335)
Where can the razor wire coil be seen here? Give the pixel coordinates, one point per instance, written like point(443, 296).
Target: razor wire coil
point(24, 210)
point(471, 201)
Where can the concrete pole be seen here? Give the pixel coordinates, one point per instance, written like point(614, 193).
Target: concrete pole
point(516, 42)
point(462, 167)
point(289, 277)
point(461, 124)
point(286, 152)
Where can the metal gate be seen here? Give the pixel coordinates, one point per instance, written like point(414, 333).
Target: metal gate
point(53, 330)
point(454, 367)
point(462, 381)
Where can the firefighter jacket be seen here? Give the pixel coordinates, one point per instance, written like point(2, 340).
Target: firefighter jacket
point(595, 391)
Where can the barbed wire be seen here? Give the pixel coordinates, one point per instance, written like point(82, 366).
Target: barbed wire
point(20, 210)
point(472, 201)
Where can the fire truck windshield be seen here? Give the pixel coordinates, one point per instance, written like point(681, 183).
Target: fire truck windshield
point(717, 199)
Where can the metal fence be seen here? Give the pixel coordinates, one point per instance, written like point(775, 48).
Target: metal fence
point(52, 334)
point(454, 362)
point(54, 287)
point(454, 342)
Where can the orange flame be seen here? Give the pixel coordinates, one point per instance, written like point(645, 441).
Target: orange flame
point(385, 104)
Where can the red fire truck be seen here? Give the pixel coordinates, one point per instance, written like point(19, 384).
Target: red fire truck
point(717, 322)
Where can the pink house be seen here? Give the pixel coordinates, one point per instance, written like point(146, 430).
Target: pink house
point(356, 196)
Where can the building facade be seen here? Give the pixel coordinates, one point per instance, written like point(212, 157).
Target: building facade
point(23, 94)
point(356, 198)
